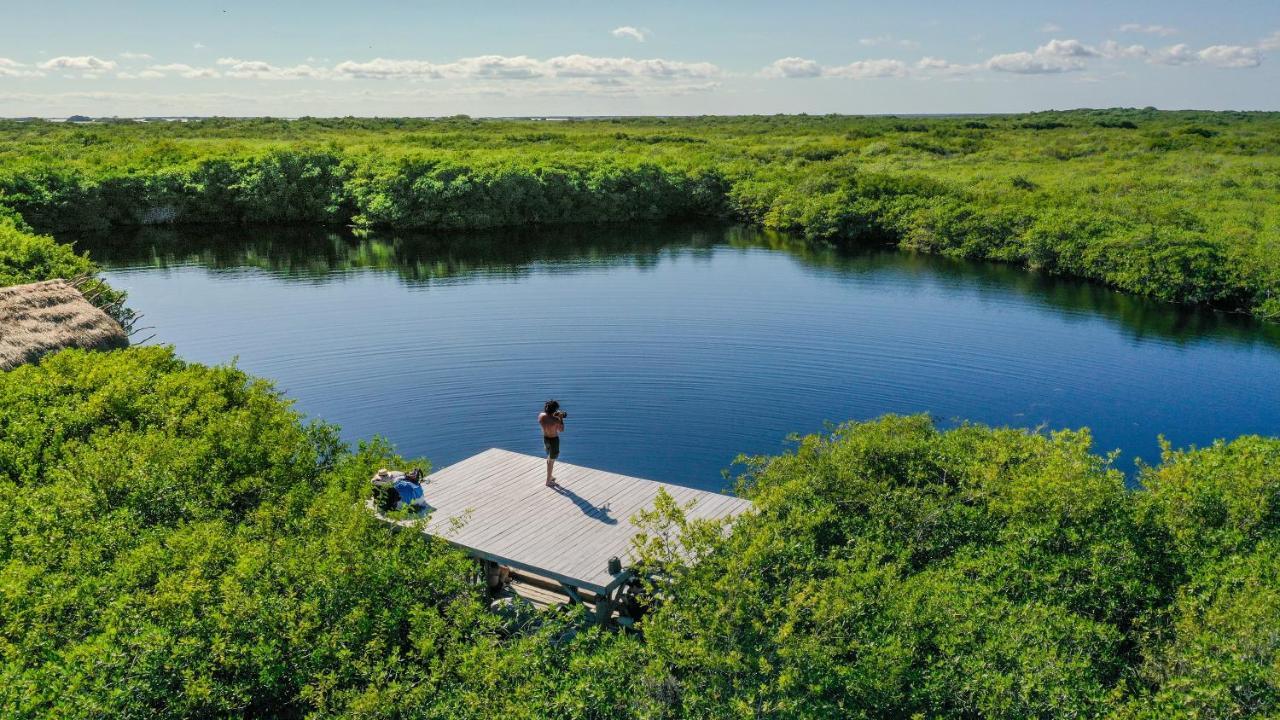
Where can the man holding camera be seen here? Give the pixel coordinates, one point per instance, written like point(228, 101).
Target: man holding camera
point(552, 421)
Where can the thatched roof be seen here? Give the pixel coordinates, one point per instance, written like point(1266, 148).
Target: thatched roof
point(48, 316)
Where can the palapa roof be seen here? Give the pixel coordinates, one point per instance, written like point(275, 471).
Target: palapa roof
point(49, 316)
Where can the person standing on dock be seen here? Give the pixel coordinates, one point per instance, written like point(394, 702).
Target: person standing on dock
point(552, 421)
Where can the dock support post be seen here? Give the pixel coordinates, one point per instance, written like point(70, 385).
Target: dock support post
point(572, 592)
point(604, 608)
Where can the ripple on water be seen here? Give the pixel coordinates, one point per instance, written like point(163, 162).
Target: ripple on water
point(672, 361)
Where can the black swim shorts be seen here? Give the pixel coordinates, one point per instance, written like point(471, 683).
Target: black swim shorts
point(552, 445)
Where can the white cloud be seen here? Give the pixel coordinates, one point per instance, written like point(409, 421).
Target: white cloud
point(939, 66)
point(1114, 50)
point(140, 75)
point(627, 31)
point(383, 69)
point(1231, 56)
point(135, 56)
point(1179, 54)
point(13, 68)
point(198, 46)
point(1270, 42)
point(182, 69)
point(259, 70)
point(869, 69)
point(1161, 30)
point(1062, 56)
point(796, 67)
point(888, 40)
point(1051, 28)
point(793, 67)
point(1025, 63)
point(520, 67)
point(497, 67)
point(586, 66)
point(83, 63)
point(1222, 56)
point(1055, 56)
point(1066, 49)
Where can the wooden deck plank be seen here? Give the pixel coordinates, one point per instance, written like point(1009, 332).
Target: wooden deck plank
point(554, 542)
point(558, 516)
point(621, 497)
point(526, 507)
point(481, 498)
point(619, 537)
point(713, 507)
point(595, 491)
point(576, 545)
point(540, 597)
point(514, 519)
point(496, 487)
point(707, 508)
point(464, 481)
point(487, 470)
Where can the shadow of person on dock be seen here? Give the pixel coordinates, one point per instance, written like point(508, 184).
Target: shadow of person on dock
point(600, 513)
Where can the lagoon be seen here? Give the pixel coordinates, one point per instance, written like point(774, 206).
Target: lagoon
point(676, 347)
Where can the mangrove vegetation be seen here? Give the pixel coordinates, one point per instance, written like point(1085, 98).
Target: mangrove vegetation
point(177, 541)
point(1179, 206)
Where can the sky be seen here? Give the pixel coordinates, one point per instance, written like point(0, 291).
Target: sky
point(499, 58)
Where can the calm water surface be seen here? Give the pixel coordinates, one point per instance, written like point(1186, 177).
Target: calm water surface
point(676, 348)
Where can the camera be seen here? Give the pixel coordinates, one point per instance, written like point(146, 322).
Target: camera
point(560, 414)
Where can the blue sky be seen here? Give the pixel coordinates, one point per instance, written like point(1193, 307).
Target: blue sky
point(380, 57)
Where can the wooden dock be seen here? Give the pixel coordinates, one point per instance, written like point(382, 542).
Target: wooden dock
point(496, 506)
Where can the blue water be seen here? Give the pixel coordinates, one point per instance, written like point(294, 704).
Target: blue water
point(676, 348)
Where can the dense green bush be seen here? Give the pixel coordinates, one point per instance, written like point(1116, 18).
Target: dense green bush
point(27, 258)
point(430, 194)
point(1221, 656)
point(176, 541)
point(892, 569)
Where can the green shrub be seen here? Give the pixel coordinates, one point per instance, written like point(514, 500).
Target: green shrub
point(892, 569)
point(176, 542)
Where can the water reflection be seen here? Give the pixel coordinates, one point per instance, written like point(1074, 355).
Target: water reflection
point(318, 255)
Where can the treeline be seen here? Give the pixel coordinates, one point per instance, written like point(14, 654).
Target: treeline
point(320, 187)
point(1175, 206)
point(176, 542)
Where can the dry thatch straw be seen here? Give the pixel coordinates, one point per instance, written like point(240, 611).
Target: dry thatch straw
point(49, 316)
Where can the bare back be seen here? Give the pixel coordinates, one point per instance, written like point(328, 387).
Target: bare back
point(552, 426)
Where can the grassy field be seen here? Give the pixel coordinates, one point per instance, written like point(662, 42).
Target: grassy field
point(1179, 206)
